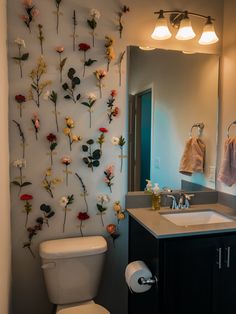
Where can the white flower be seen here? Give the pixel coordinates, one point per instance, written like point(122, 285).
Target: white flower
point(19, 41)
point(46, 95)
point(156, 188)
point(91, 97)
point(19, 163)
point(115, 140)
point(148, 186)
point(95, 14)
point(103, 198)
point(63, 201)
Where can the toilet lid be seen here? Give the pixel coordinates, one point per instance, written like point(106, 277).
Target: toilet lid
point(84, 309)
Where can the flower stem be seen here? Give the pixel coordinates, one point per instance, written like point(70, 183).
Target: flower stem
point(100, 88)
point(58, 7)
point(51, 158)
point(26, 219)
point(93, 37)
point(20, 110)
point(66, 175)
point(102, 220)
point(80, 227)
point(56, 118)
point(60, 68)
point(31, 252)
point(64, 222)
point(108, 66)
point(121, 157)
point(90, 119)
point(20, 63)
point(110, 188)
point(84, 63)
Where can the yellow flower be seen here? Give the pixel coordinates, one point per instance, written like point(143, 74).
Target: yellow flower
point(121, 216)
point(49, 172)
point(66, 131)
point(44, 184)
point(117, 206)
point(56, 181)
point(69, 122)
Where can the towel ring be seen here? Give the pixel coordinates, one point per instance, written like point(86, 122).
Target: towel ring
point(234, 122)
point(200, 127)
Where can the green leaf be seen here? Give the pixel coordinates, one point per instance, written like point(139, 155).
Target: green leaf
point(53, 97)
point(90, 142)
point(25, 56)
point(86, 161)
point(75, 80)
point(92, 23)
point(84, 148)
point(53, 146)
point(96, 163)
point(16, 58)
point(34, 87)
point(100, 208)
point(90, 165)
point(89, 62)
point(16, 183)
point(67, 97)
point(25, 184)
point(62, 64)
point(71, 73)
point(65, 86)
point(97, 154)
point(86, 104)
point(78, 97)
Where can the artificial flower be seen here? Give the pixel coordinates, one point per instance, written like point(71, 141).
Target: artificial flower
point(66, 160)
point(92, 22)
point(112, 110)
point(68, 132)
point(28, 206)
point(121, 58)
point(36, 123)
point(22, 136)
point(124, 9)
point(100, 75)
point(58, 13)
point(92, 160)
point(21, 57)
point(52, 139)
point(20, 99)
point(62, 62)
point(90, 103)
point(82, 216)
point(109, 176)
point(85, 47)
point(37, 86)
point(102, 200)
point(119, 212)
point(101, 138)
point(31, 12)
point(70, 88)
point(54, 98)
point(20, 164)
point(64, 202)
point(119, 141)
point(49, 183)
point(113, 232)
point(41, 37)
point(75, 23)
point(85, 193)
point(110, 53)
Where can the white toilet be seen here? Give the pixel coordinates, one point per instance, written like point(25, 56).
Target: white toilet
point(72, 271)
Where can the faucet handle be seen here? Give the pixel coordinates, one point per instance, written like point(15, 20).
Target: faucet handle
point(187, 199)
point(174, 203)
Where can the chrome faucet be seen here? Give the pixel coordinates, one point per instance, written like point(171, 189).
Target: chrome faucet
point(174, 203)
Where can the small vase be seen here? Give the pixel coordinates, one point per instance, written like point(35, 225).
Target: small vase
point(156, 201)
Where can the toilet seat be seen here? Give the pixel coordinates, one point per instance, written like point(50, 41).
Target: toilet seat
point(84, 309)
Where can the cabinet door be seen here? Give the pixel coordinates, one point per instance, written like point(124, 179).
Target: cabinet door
point(189, 283)
point(226, 302)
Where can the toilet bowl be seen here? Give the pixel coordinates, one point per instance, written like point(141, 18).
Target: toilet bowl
point(72, 269)
point(85, 308)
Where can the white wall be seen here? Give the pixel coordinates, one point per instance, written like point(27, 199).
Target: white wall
point(29, 295)
point(228, 77)
point(5, 244)
point(185, 91)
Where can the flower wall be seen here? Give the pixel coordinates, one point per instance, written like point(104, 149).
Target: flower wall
point(68, 134)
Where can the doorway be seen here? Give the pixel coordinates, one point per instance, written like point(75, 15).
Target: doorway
point(140, 126)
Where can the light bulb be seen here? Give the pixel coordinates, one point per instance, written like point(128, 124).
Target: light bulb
point(185, 31)
point(161, 31)
point(208, 36)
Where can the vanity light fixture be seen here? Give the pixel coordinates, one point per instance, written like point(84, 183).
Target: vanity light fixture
point(181, 21)
point(147, 48)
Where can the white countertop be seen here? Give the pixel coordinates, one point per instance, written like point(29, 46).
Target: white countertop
point(160, 227)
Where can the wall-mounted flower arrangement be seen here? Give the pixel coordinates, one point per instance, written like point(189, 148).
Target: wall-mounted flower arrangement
point(113, 232)
point(87, 62)
point(119, 212)
point(119, 141)
point(20, 99)
point(50, 183)
point(68, 132)
point(101, 138)
point(70, 88)
point(41, 37)
point(66, 161)
point(20, 164)
point(58, 13)
point(110, 52)
point(36, 124)
point(112, 110)
point(102, 199)
point(121, 58)
point(92, 22)
point(84, 194)
point(65, 201)
point(124, 10)
point(109, 176)
point(52, 140)
point(62, 62)
point(100, 75)
point(31, 12)
point(92, 160)
point(27, 207)
point(32, 231)
point(22, 137)
point(38, 86)
point(21, 57)
point(53, 97)
point(90, 103)
point(75, 23)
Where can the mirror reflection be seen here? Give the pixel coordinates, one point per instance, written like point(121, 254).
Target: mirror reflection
point(169, 93)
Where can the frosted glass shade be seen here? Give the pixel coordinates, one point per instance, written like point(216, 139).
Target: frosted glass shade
point(161, 31)
point(208, 36)
point(185, 31)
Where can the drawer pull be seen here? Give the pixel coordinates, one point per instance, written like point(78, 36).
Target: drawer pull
point(219, 263)
point(228, 256)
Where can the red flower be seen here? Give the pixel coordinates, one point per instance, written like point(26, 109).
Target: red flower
point(84, 47)
point(115, 111)
point(20, 99)
point(103, 130)
point(113, 93)
point(83, 216)
point(111, 229)
point(26, 197)
point(51, 137)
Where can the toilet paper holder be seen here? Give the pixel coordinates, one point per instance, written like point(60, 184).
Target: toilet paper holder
point(150, 281)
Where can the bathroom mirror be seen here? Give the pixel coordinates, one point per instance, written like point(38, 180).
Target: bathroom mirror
point(169, 92)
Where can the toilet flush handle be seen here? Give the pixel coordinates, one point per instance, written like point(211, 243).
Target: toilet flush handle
point(48, 265)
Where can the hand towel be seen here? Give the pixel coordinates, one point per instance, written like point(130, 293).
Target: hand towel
point(193, 158)
point(227, 173)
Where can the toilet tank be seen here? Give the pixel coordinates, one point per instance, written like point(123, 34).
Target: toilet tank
point(72, 268)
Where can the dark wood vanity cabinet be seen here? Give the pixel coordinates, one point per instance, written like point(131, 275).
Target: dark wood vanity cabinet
point(196, 274)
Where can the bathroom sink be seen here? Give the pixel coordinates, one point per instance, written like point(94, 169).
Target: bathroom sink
point(202, 217)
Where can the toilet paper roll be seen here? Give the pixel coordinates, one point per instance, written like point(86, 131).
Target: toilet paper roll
point(133, 272)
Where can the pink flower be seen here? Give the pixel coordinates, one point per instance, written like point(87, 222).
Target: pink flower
point(110, 169)
point(27, 3)
point(24, 18)
point(35, 12)
point(36, 121)
point(66, 160)
point(60, 49)
point(113, 93)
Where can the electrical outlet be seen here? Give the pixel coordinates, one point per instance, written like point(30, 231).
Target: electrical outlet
point(212, 174)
